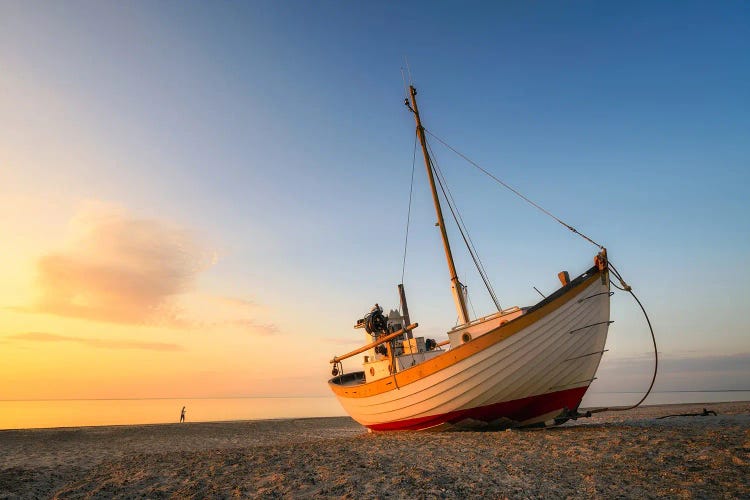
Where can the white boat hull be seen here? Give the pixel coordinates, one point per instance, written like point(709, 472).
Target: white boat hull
point(529, 370)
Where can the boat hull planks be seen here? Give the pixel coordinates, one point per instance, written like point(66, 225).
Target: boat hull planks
point(531, 369)
point(525, 411)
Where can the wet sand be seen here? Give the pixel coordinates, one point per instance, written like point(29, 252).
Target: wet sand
point(625, 454)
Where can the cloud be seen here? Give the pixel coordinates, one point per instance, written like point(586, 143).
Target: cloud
point(252, 326)
point(341, 341)
point(239, 303)
point(215, 312)
point(263, 329)
point(97, 343)
point(119, 268)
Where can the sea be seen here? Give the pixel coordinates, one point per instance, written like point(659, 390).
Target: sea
point(102, 412)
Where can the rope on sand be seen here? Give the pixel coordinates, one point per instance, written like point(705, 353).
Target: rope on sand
point(705, 413)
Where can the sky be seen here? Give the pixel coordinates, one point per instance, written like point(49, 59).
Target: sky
point(200, 199)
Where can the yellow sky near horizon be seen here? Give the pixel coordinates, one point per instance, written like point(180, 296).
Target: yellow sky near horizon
point(99, 299)
point(200, 201)
point(110, 305)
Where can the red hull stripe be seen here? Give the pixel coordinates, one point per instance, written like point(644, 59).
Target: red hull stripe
point(519, 410)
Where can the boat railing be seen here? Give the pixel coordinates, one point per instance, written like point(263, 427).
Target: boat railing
point(486, 318)
point(381, 340)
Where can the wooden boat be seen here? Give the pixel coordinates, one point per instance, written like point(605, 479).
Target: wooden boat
point(518, 366)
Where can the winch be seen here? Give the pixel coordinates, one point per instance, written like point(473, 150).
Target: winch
point(374, 323)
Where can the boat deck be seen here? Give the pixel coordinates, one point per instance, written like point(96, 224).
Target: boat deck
point(349, 379)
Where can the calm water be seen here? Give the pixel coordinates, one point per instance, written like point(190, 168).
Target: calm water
point(74, 413)
point(594, 399)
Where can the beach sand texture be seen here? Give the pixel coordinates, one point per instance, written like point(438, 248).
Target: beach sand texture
point(626, 454)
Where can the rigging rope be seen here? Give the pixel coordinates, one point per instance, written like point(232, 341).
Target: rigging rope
point(460, 221)
point(625, 287)
point(462, 228)
point(468, 297)
point(408, 214)
point(514, 191)
point(406, 89)
point(628, 289)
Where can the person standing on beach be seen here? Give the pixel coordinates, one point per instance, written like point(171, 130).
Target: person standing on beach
point(182, 415)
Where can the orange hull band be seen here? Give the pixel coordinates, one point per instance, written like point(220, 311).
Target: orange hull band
point(461, 352)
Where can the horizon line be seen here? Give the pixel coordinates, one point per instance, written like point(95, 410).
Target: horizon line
point(312, 396)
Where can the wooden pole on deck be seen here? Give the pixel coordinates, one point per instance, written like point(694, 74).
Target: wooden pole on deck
point(381, 340)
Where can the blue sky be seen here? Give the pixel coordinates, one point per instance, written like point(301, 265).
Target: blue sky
point(275, 132)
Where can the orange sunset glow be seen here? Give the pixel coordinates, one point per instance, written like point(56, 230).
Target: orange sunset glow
point(330, 249)
point(114, 307)
point(200, 203)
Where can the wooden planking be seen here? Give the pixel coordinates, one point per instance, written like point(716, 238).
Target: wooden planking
point(463, 351)
point(499, 373)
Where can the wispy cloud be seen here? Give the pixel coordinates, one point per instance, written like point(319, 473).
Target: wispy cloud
point(254, 327)
point(354, 341)
point(97, 343)
point(240, 303)
point(212, 312)
point(243, 314)
point(118, 268)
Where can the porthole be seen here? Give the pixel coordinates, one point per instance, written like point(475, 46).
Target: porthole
point(372, 371)
point(466, 337)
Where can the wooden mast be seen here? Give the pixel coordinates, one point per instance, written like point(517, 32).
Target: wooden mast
point(456, 287)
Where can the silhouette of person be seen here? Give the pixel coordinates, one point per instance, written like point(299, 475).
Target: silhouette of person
point(182, 415)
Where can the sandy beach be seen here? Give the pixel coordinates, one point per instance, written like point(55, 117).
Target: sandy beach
point(615, 454)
